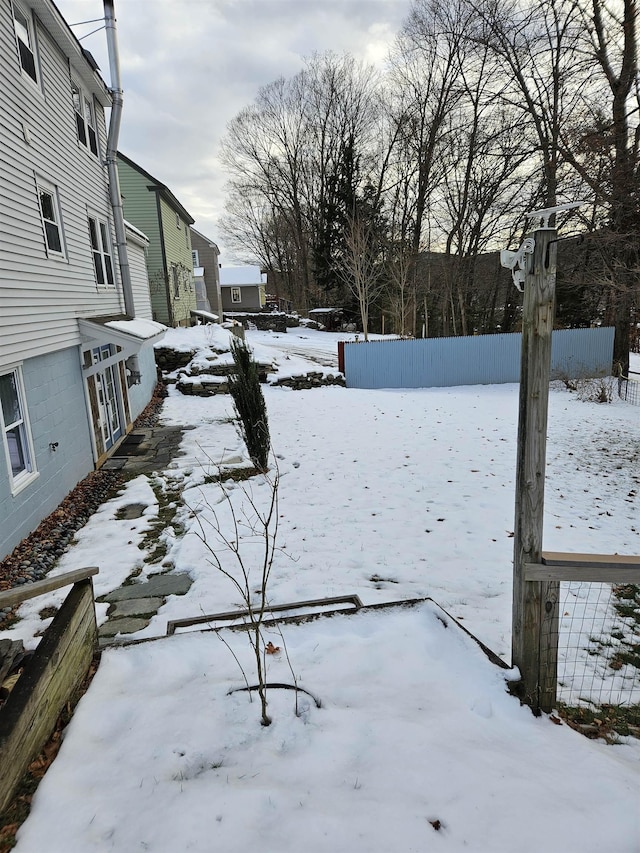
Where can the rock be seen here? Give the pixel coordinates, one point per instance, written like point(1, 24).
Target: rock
point(135, 607)
point(156, 586)
point(122, 626)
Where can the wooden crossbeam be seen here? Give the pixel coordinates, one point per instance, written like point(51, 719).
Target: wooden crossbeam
point(596, 568)
point(18, 594)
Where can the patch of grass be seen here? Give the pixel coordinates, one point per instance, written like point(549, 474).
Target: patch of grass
point(607, 721)
point(239, 475)
point(168, 502)
point(130, 580)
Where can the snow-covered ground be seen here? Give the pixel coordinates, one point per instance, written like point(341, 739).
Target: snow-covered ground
point(386, 494)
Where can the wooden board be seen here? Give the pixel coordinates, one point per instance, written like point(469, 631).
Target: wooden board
point(605, 561)
point(49, 680)
point(599, 573)
point(18, 594)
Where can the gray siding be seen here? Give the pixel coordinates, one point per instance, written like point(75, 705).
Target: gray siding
point(250, 296)
point(42, 296)
point(477, 360)
point(208, 257)
point(57, 413)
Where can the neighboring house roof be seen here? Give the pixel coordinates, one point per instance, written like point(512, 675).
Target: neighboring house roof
point(212, 243)
point(163, 189)
point(241, 276)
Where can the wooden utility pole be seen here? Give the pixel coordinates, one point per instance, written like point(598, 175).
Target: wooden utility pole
point(535, 603)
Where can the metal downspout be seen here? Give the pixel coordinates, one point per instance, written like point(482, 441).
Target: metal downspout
point(111, 158)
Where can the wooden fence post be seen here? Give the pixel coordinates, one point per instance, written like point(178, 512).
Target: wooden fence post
point(535, 603)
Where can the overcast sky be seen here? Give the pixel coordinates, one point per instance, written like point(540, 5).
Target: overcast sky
point(189, 66)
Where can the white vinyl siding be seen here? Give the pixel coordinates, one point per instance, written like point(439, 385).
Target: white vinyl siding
point(26, 41)
point(41, 297)
point(16, 434)
point(139, 277)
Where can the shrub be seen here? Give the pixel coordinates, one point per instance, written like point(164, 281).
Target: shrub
point(249, 403)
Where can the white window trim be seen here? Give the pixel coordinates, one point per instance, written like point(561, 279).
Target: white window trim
point(43, 185)
point(236, 295)
point(195, 258)
point(24, 478)
point(32, 47)
point(103, 233)
point(85, 125)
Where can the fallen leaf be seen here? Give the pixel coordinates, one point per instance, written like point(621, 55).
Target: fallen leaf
point(271, 649)
point(555, 720)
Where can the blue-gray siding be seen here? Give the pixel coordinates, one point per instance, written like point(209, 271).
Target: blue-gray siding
point(139, 395)
point(477, 360)
point(58, 413)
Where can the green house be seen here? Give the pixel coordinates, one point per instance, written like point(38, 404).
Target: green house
point(151, 206)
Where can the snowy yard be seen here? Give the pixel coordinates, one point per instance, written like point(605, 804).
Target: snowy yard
point(417, 746)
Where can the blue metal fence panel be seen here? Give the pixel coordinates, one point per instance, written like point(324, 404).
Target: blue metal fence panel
point(477, 360)
point(577, 353)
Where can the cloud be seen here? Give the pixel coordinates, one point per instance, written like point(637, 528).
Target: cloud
point(189, 66)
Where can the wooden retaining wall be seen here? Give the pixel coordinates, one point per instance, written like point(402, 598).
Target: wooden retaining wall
point(49, 680)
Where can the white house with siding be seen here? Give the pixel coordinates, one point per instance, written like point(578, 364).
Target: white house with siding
point(75, 369)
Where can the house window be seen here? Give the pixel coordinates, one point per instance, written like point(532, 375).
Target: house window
point(195, 258)
point(51, 219)
point(101, 249)
point(176, 280)
point(23, 25)
point(85, 118)
point(177, 220)
point(236, 296)
point(16, 434)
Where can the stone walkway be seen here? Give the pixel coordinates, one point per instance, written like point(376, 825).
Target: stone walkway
point(146, 450)
point(132, 606)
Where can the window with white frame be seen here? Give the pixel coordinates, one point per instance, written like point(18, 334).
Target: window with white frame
point(175, 273)
point(101, 249)
point(236, 295)
point(16, 435)
point(177, 220)
point(85, 117)
point(25, 37)
point(195, 258)
point(51, 218)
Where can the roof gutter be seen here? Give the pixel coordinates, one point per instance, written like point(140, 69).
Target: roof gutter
point(111, 158)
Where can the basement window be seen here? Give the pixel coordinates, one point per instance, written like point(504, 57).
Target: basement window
point(16, 434)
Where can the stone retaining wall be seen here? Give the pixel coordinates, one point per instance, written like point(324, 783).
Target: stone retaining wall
point(169, 359)
point(267, 322)
point(309, 380)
